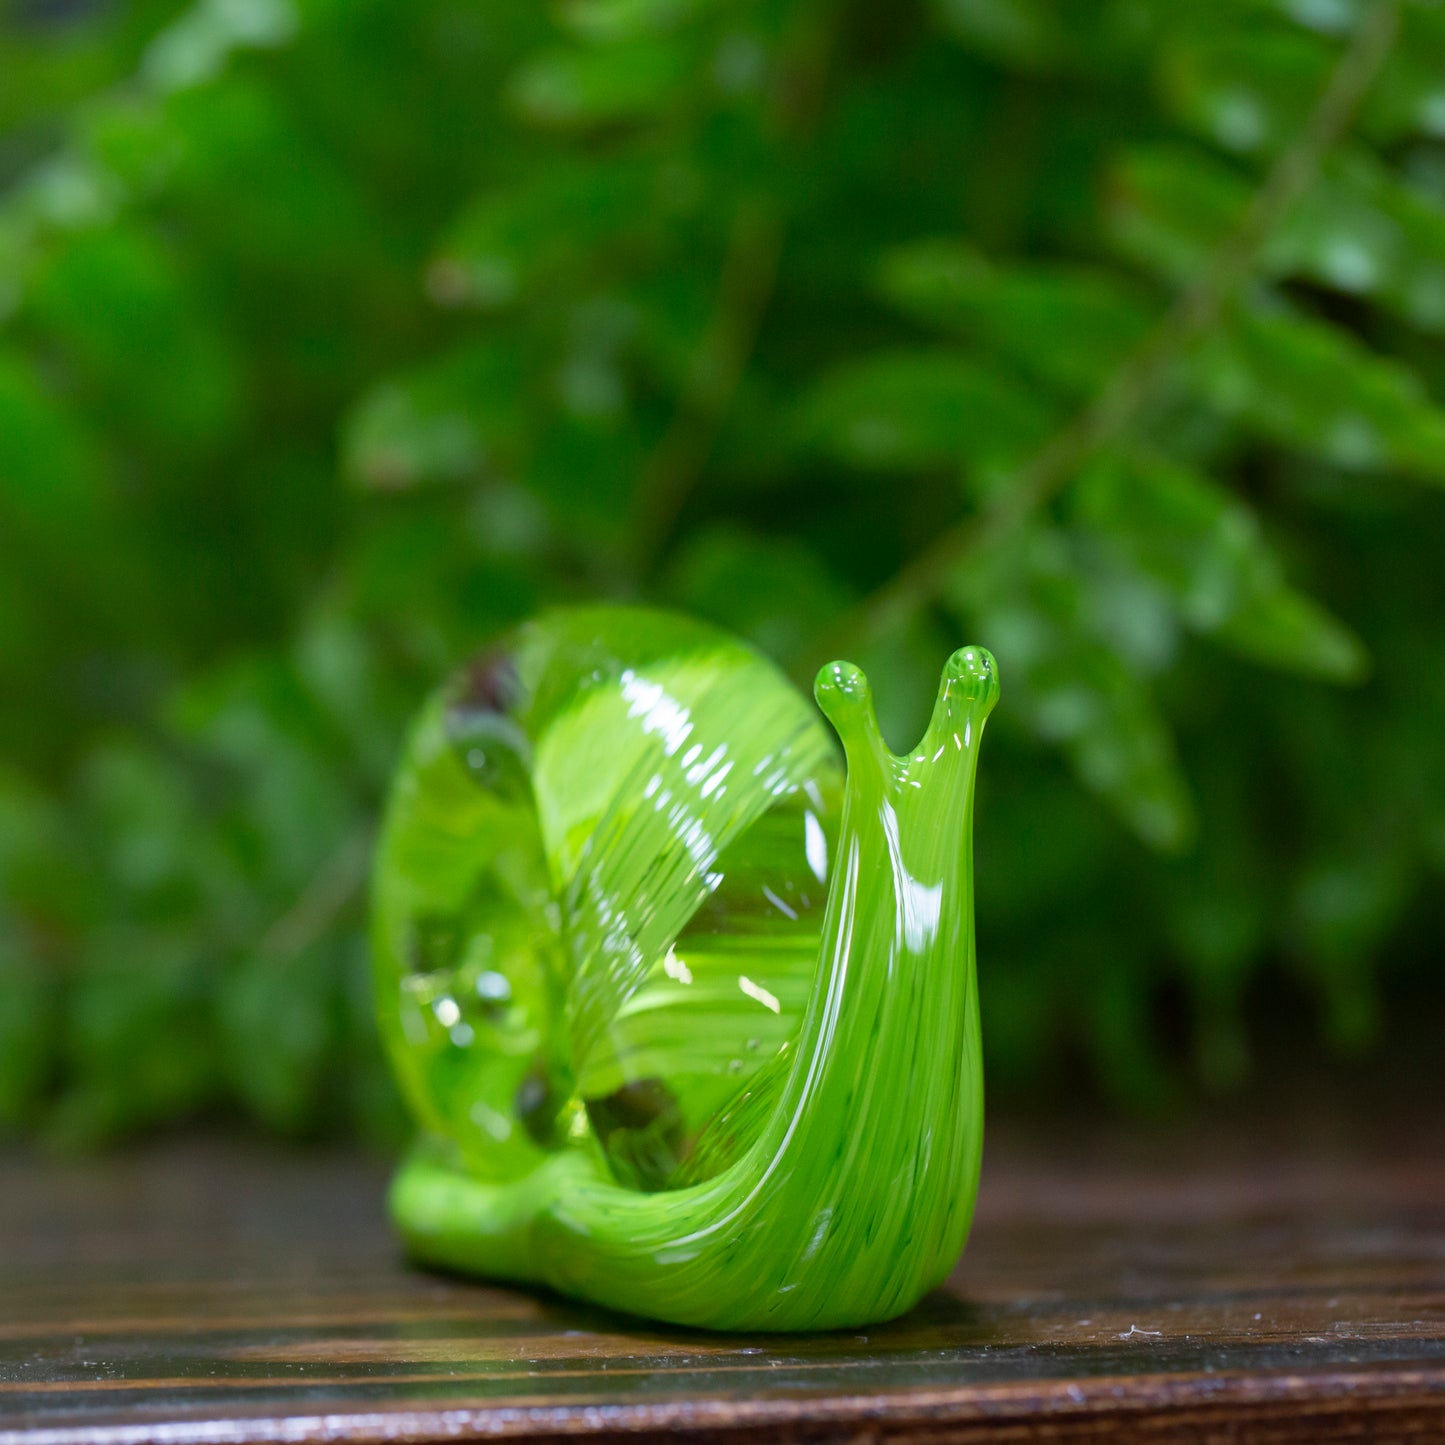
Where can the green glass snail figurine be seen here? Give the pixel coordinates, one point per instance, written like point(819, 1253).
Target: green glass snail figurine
point(686, 1011)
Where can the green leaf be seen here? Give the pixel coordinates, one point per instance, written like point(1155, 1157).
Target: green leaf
point(586, 475)
point(1314, 387)
point(1083, 699)
point(41, 873)
point(267, 200)
point(27, 1028)
point(1207, 549)
point(340, 667)
point(147, 838)
point(374, 1108)
point(1049, 36)
point(17, 248)
point(52, 483)
point(918, 409)
point(1287, 629)
point(1218, 912)
point(1341, 909)
point(277, 1024)
point(775, 592)
point(1017, 32)
point(639, 80)
point(67, 191)
point(1344, 906)
point(236, 267)
point(1066, 325)
point(137, 1046)
point(1124, 1050)
point(1362, 232)
point(267, 735)
point(607, 21)
point(194, 48)
point(61, 529)
point(459, 418)
point(525, 240)
point(125, 135)
point(1409, 97)
point(1249, 83)
point(114, 301)
point(1170, 205)
point(1249, 88)
point(1329, 17)
point(1359, 230)
point(1029, 605)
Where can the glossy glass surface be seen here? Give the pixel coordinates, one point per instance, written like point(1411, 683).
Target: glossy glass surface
point(689, 1022)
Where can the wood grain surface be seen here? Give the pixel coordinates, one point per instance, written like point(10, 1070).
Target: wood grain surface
point(215, 1292)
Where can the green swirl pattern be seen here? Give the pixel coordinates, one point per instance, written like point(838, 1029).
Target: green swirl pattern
point(687, 1012)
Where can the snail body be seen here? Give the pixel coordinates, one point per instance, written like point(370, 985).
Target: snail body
point(685, 1009)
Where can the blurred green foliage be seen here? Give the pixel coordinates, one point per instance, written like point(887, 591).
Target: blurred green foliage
point(335, 335)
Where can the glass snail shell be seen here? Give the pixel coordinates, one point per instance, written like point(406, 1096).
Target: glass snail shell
point(686, 1010)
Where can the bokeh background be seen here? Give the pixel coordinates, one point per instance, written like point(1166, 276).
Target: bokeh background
point(336, 335)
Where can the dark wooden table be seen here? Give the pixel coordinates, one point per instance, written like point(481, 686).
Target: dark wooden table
point(1190, 1289)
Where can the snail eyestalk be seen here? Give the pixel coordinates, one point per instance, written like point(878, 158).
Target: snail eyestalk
point(730, 1073)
